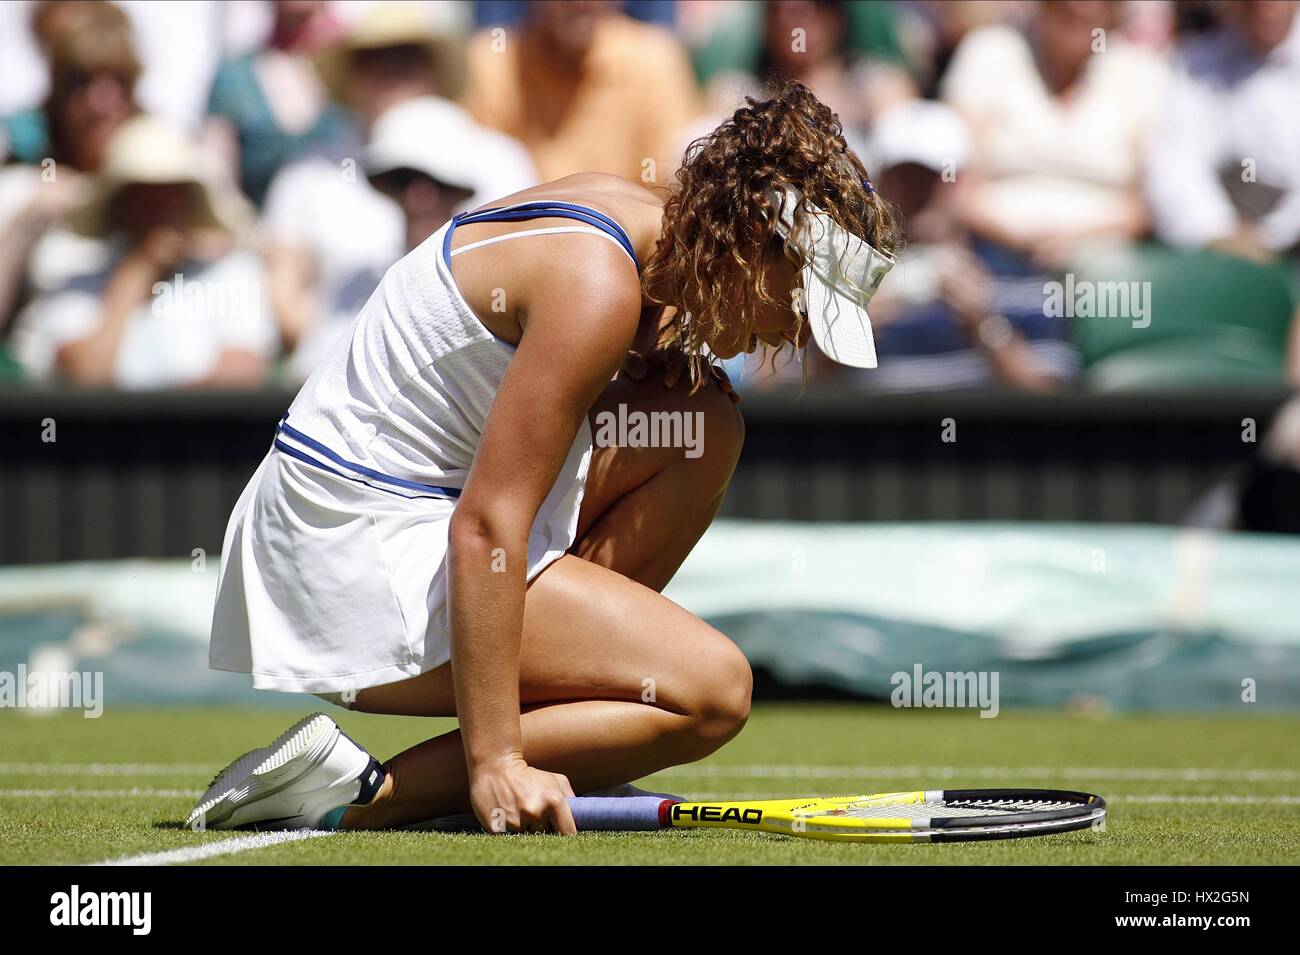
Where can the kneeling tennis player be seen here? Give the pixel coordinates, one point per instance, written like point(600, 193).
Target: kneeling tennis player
point(433, 533)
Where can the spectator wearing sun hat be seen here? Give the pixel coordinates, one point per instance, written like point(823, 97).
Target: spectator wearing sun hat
point(393, 52)
point(163, 295)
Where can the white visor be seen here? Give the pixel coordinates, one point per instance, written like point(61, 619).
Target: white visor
point(841, 272)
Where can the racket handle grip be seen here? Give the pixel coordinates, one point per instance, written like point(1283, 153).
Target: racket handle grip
point(619, 813)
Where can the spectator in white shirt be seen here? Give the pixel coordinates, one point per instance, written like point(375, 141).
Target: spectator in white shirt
point(164, 296)
point(1059, 115)
point(1223, 170)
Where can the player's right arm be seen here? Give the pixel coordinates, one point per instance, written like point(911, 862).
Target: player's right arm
point(578, 315)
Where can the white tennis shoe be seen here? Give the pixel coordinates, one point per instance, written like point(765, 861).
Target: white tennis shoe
point(306, 779)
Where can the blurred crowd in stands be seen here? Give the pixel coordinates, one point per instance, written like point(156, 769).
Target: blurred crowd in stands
point(1098, 193)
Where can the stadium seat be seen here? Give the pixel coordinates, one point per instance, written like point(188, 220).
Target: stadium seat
point(10, 370)
point(1214, 321)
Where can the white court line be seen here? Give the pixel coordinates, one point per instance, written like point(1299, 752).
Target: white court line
point(107, 769)
point(134, 792)
point(760, 771)
point(981, 772)
point(1157, 798)
point(211, 850)
point(729, 795)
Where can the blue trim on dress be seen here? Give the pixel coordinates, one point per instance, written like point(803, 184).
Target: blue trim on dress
point(285, 428)
point(543, 209)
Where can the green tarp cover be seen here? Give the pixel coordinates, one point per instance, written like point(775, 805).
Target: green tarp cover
point(1131, 617)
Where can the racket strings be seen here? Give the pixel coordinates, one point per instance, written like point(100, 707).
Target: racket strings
point(948, 810)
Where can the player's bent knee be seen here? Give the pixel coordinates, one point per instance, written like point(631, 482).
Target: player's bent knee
point(722, 700)
point(724, 429)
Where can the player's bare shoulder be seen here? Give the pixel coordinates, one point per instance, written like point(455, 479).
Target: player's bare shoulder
point(563, 268)
point(635, 208)
point(637, 204)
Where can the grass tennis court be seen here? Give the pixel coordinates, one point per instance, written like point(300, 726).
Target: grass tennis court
point(1182, 790)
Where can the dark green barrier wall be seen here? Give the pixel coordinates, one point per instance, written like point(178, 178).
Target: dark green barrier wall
point(156, 475)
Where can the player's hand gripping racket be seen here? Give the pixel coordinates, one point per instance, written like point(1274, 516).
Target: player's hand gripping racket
point(933, 815)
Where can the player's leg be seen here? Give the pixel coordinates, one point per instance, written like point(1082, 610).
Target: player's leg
point(645, 508)
point(643, 511)
point(617, 681)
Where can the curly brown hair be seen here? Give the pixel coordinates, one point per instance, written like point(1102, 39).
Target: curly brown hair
point(719, 223)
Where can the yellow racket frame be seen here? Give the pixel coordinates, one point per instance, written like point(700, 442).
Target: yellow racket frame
point(805, 818)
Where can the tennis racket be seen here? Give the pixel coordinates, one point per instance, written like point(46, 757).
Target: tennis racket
point(934, 815)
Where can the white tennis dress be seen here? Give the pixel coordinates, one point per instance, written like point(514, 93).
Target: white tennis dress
point(333, 573)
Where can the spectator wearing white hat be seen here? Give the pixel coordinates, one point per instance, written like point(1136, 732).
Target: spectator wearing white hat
point(433, 160)
point(336, 229)
point(942, 321)
point(166, 296)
